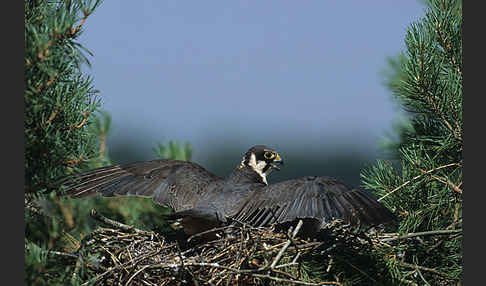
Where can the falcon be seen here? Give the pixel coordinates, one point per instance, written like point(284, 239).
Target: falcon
point(202, 200)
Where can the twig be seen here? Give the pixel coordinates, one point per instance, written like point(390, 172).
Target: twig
point(421, 276)
point(203, 264)
point(266, 276)
point(242, 242)
point(252, 272)
point(425, 233)
point(444, 181)
point(53, 115)
point(413, 266)
point(286, 265)
point(136, 273)
point(209, 231)
point(287, 244)
point(218, 262)
point(116, 224)
point(85, 16)
point(448, 183)
point(294, 262)
point(447, 47)
point(113, 269)
point(329, 265)
point(85, 117)
point(417, 177)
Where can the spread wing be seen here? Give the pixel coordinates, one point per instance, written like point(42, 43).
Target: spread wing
point(173, 183)
point(320, 199)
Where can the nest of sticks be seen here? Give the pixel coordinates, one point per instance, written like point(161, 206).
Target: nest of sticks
point(243, 255)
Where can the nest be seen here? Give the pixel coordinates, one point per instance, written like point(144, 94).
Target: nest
point(243, 255)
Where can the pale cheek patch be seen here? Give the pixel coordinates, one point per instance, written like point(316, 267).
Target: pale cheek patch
point(258, 167)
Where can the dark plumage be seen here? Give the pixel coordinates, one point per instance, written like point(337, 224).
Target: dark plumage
point(203, 200)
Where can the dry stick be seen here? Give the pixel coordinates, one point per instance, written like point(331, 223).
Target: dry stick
point(204, 264)
point(448, 183)
point(209, 231)
point(435, 232)
point(296, 281)
point(416, 177)
point(214, 265)
point(272, 267)
point(287, 244)
point(116, 224)
point(242, 242)
point(119, 266)
point(408, 265)
point(84, 242)
point(113, 223)
point(329, 265)
point(112, 256)
point(251, 272)
point(136, 273)
point(312, 245)
point(294, 262)
point(421, 276)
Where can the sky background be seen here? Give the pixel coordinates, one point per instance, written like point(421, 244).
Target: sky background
point(303, 77)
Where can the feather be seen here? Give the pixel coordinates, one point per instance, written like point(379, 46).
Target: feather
point(204, 200)
point(145, 179)
point(319, 198)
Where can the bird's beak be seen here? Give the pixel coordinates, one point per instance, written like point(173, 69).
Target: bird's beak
point(278, 160)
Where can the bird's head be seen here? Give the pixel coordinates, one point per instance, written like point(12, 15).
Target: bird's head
point(262, 160)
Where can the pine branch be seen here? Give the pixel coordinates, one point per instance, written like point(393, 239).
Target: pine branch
point(418, 177)
point(85, 117)
point(425, 233)
point(448, 183)
point(78, 28)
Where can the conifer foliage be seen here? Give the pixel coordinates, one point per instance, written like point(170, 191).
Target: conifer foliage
point(425, 186)
point(60, 102)
point(59, 99)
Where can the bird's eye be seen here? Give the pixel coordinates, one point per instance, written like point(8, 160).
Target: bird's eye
point(269, 155)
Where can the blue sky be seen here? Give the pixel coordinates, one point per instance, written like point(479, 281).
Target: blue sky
point(290, 74)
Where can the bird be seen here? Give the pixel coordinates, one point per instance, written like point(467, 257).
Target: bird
point(201, 200)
